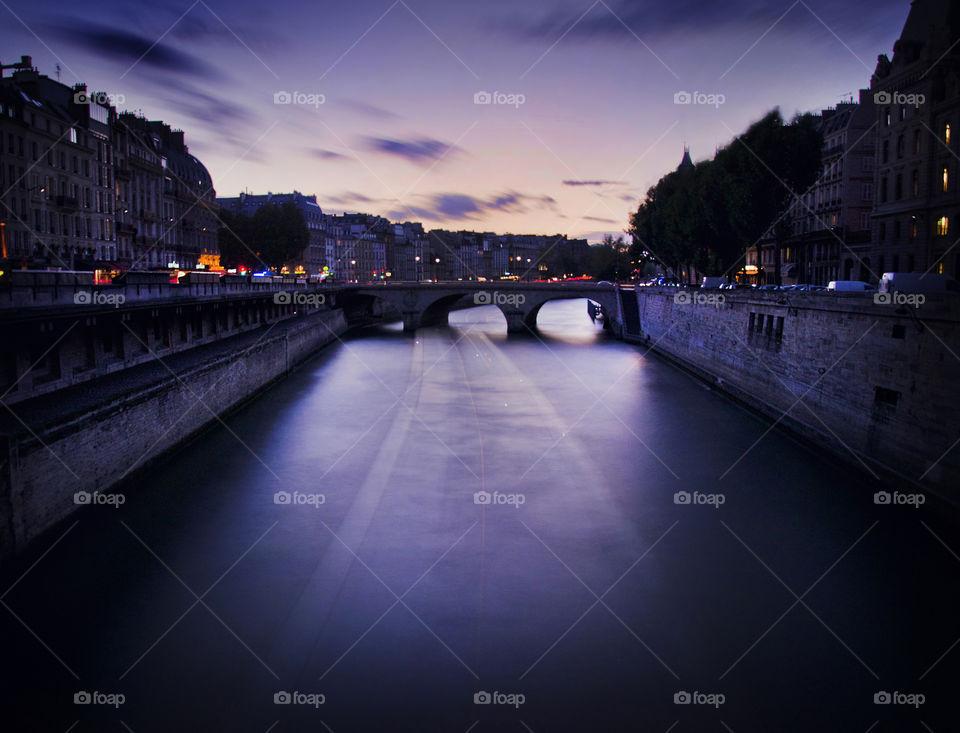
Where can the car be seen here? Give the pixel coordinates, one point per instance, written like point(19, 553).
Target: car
point(768, 287)
point(850, 286)
point(915, 282)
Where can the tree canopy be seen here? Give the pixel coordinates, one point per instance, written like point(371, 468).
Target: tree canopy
point(272, 236)
point(708, 215)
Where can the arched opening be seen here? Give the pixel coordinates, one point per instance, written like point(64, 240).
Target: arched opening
point(438, 312)
point(360, 308)
point(570, 319)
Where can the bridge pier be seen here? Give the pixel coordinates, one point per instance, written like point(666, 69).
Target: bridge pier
point(411, 321)
point(516, 321)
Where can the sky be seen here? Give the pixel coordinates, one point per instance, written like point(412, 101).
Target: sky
point(548, 117)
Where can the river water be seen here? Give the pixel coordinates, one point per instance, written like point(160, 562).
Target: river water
point(459, 530)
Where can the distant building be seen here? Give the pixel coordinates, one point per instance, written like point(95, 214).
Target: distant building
point(357, 246)
point(831, 228)
point(828, 228)
point(314, 255)
point(917, 179)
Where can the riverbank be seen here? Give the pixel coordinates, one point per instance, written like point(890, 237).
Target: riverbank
point(74, 446)
point(872, 383)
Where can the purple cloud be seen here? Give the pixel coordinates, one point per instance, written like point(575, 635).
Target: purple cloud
point(415, 151)
point(589, 183)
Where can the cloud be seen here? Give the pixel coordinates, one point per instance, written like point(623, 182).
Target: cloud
point(590, 183)
point(415, 151)
point(350, 197)
point(369, 110)
point(327, 154)
point(202, 105)
point(447, 207)
point(627, 19)
point(133, 50)
point(600, 219)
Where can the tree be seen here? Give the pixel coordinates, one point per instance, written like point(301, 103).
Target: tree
point(272, 236)
point(706, 216)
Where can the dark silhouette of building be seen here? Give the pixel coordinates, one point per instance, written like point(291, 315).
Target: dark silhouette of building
point(917, 181)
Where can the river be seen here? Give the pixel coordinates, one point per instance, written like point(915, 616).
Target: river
point(459, 530)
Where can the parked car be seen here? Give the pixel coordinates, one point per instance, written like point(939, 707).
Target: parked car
point(850, 286)
point(769, 287)
point(915, 282)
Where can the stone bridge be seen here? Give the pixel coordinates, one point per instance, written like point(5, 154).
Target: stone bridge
point(429, 304)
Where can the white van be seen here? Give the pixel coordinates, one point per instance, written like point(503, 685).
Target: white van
point(915, 282)
point(714, 282)
point(850, 286)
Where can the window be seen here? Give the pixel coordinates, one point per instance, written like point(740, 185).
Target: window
point(916, 142)
point(914, 228)
point(946, 180)
point(883, 396)
point(943, 226)
point(896, 232)
point(883, 231)
point(866, 191)
point(898, 187)
point(946, 133)
point(915, 183)
point(886, 117)
point(73, 135)
point(885, 156)
point(883, 190)
point(900, 146)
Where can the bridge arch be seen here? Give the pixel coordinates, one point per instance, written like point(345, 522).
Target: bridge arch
point(430, 304)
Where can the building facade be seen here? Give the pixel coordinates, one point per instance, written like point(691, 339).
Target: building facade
point(827, 229)
point(917, 179)
point(56, 176)
point(83, 187)
point(167, 215)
